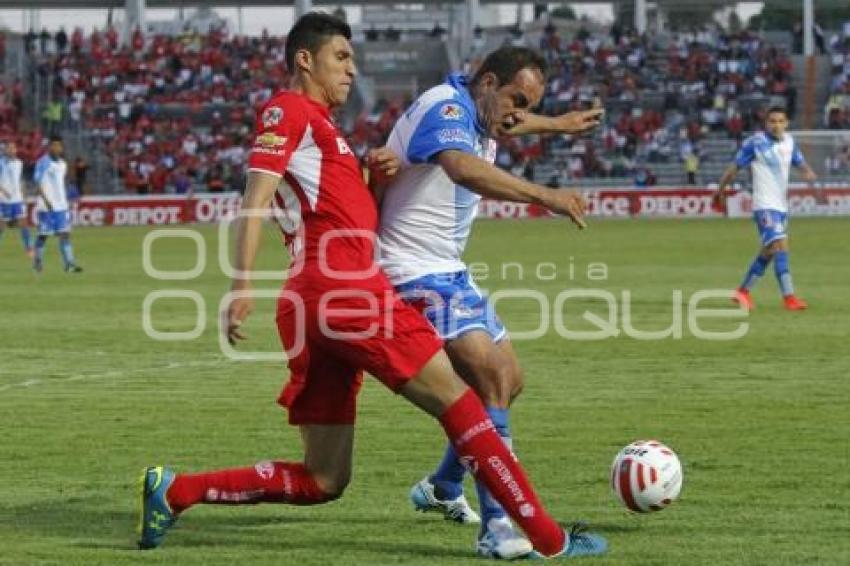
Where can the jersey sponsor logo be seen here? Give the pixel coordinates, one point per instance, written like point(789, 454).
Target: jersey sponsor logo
point(455, 135)
point(451, 112)
point(278, 151)
point(270, 140)
point(342, 145)
point(272, 116)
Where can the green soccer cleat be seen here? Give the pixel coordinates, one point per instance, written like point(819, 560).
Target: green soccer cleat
point(155, 515)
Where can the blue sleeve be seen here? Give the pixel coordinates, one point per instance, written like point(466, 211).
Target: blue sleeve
point(797, 158)
point(746, 154)
point(446, 125)
point(40, 168)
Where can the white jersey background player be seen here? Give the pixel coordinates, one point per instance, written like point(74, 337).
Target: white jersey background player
point(770, 155)
point(54, 216)
point(13, 211)
point(445, 142)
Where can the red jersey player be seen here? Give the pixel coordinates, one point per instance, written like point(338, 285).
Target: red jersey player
point(338, 316)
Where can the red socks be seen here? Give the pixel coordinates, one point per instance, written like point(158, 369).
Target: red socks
point(273, 482)
point(484, 453)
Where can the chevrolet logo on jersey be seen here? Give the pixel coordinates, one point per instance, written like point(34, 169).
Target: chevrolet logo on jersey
point(270, 140)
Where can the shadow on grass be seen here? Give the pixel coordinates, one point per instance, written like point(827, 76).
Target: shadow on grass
point(85, 523)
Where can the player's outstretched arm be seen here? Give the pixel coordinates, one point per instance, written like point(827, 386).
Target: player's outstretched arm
point(489, 181)
point(258, 197)
point(577, 122)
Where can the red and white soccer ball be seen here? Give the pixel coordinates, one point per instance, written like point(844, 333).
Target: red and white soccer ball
point(646, 476)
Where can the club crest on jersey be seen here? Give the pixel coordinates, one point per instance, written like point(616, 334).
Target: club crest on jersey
point(451, 112)
point(272, 116)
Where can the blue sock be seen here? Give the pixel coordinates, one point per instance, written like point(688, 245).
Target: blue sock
point(39, 248)
point(448, 479)
point(26, 237)
point(755, 272)
point(783, 273)
point(67, 251)
point(490, 508)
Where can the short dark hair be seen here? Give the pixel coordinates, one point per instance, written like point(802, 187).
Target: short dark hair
point(54, 138)
point(311, 32)
point(506, 62)
point(777, 108)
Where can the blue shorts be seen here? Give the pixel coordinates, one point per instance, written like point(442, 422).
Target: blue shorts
point(12, 211)
point(772, 225)
point(453, 305)
point(53, 222)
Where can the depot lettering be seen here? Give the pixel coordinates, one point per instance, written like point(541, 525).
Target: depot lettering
point(140, 216)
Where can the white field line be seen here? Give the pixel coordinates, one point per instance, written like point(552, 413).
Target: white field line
point(114, 373)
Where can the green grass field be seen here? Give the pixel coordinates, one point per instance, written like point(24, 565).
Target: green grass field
point(762, 423)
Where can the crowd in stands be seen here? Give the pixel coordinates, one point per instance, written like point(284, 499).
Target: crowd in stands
point(173, 112)
point(837, 110)
point(177, 112)
point(661, 100)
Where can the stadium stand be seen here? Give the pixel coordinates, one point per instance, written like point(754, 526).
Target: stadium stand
point(174, 113)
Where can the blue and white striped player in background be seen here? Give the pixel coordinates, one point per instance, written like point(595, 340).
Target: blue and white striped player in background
point(770, 155)
point(54, 216)
point(13, 211)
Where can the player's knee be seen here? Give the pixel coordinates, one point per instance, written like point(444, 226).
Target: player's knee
point(497, 384)
point(333, 485)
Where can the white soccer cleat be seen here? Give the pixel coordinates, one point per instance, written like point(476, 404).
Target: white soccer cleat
point(458, 510)
point(501, 541)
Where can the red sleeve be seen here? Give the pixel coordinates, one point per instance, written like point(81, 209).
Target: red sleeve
point(280, 126)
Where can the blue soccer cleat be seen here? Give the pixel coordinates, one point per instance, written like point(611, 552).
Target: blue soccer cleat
point(578, 543)
point(155, 515)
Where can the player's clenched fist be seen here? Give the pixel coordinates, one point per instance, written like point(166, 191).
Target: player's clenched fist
point(383, 163)
point(569, 202)
point(237, 312)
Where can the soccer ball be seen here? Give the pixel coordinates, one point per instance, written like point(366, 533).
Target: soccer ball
point(646, 476)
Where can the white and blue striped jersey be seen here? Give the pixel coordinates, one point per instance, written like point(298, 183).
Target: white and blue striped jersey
point(10, 180)
point(771, 160)
point(425, 217)
point(50, 176)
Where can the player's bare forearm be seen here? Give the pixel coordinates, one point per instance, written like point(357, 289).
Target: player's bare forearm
point(488, 180)
point(728, 176)
point(809, 174)
point(257, 200)
point(570, 123)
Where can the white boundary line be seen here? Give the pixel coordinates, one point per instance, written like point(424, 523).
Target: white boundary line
point(114, 373)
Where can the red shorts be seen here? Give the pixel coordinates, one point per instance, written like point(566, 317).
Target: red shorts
point(330, 345)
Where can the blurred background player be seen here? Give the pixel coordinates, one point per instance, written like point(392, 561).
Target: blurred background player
point(447, 145)
point(13, 211)
point(54, 216)
point(770, 155)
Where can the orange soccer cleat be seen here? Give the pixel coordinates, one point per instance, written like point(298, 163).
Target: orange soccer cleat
point(743, 298)
point(792, 303)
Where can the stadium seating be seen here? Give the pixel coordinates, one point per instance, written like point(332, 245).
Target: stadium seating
point(183, 106)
